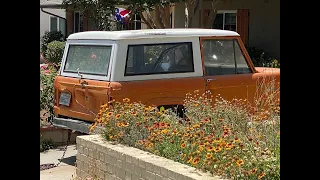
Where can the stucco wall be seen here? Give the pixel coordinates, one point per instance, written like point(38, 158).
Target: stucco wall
point(45, 19)
point(264, 21)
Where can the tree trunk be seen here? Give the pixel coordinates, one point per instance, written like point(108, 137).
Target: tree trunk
point(157, 18)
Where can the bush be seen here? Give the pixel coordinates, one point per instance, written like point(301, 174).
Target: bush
point(47, 75)
point(48, 37)
point(262, 59)
point(233, 139)
point(54, 52)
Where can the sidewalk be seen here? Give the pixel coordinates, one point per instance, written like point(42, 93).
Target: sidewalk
point(67, 167)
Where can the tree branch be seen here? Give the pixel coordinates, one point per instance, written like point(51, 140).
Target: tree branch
point(145, 21)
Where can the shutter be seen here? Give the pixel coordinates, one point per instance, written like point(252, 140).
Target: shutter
point(69, 22)
point(243, 24)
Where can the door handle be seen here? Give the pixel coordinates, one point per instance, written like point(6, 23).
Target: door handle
point(212, 79)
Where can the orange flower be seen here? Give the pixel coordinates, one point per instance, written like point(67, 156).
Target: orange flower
point(205, 120)
point(92, 127)
point(220, 119)
point(196, 126)
point(195, 161)
point(208, 155)
point(126, 100)
point(134, 113)
point(137, 124)
point(195, 104)
point(261, 175)
point(183, 156)
point(183, 145)
point(217, 149)
point(239, 162)
point(118, 116)
point(229, 146)
point(189, 159)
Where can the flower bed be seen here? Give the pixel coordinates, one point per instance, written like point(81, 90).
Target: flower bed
point(232, 139)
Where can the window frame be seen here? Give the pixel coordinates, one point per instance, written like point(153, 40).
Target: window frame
point(74, 22)
point(223, 12)
point(88, 42)
point(242, 49)
point(157, 73)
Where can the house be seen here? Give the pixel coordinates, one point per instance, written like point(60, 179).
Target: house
point(257, 21)
point(52, 18)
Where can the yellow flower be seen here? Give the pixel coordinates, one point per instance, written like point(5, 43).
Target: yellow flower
point(236, 139)
point(253, 171)
point(195, 104)
point(109, 114)
point(119, 124)
point(92, 127)
point(164, 131)
point(195, 161)
point(217, 140)
point(134, 113)
point(110, 136)
point(200, 148)
point(118, 116)
point(210, 148)
point(183, 156)
point(196, 126)
point(126, 100)
point(229, 146)
point(189, 159)
point(261, 175)
point(208, 155)
point(125, 124)
point(239, 162)
point(217, 149)
point(183, 145)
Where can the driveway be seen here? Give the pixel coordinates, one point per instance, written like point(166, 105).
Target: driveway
point(66, 170)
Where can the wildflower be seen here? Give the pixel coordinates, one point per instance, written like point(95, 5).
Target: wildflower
point(200, 148)
point(109, 114)
point(119, 124)
point(189, 159)
point(229, 146)
point(253, 171)
point(134, 113)
point(137, 123)
point(118, 116)
point(236, 139)
point(183, 145)
point(210, 148)
point(239, 162)
point(92, 127)
point(110, 136)
point(205, 120)
point(195, 104)
point(125, 124)
point(217, 149)
point(220, 119)
point(195, 161)
point(208, 155)
point(183, 156)
point(196, 126)
point(126, 100)
point(217, 140)
point(261, 175)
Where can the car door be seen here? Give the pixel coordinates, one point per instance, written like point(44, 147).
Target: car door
point(226, 71)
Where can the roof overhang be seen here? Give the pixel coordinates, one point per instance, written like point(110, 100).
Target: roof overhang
point(52, 4)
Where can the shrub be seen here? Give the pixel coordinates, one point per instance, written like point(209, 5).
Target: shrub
point(260, 58)
point(54, 52)
point(48, 37)
point(233, 139)
point(47, 75)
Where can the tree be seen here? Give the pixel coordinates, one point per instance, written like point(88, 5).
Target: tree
point(154, 13)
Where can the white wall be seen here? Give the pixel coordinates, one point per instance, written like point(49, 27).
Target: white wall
point(45, 19)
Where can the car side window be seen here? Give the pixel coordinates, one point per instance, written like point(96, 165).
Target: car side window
point(223, 57)
point(159, 59)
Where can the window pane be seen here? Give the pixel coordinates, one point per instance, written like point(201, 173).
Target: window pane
point(81, 23)
point(138, 22)
point(159, 58)
point(53, 24)
point(242, 65)
point(218, 57)
point(62, 26)
point(88, 59)
point(230, 27)
point(230, 18)
point(218, 22)
point(76, 22)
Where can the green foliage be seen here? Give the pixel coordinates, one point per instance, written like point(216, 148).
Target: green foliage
point(54, 51)
point(261, 59)
point(48, 37)
point(47, 75)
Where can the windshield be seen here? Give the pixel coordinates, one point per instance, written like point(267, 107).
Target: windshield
point(88, 59)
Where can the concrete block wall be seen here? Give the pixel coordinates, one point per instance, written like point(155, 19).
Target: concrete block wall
point(99, 159)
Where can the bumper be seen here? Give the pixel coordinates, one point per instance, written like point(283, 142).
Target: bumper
point(72, 124)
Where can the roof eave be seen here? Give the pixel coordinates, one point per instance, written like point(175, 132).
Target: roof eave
point(52, 6)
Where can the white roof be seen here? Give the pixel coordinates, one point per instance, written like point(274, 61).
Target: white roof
point(150, 33)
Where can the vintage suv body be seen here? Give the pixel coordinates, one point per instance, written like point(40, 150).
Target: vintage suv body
point(153, 66)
